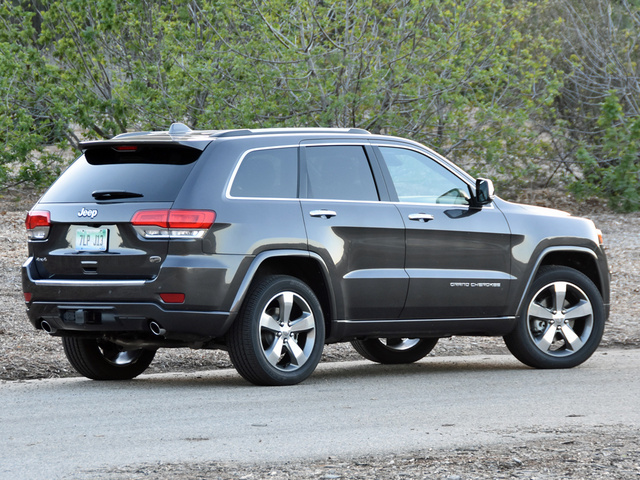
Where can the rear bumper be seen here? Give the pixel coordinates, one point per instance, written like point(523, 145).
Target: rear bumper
point(127, 318)
point(104, 306)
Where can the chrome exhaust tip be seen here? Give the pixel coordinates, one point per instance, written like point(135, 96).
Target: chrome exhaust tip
point(47, 327)
point(156, 329)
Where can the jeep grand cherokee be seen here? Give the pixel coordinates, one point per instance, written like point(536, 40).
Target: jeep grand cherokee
point(271, 243)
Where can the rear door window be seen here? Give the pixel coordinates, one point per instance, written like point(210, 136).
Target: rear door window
point(150, 173)
point(339, 172)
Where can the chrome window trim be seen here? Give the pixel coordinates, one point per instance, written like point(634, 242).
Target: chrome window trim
point(448, 205)
point(420, 149)
point(334, 200)
point(303, 143)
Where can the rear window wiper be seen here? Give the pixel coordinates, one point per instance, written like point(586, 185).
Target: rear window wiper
point(114, 194)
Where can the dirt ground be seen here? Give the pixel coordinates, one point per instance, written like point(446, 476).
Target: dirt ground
point(604, 452)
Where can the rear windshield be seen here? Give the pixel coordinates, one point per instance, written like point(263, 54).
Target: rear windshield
point(148, 174)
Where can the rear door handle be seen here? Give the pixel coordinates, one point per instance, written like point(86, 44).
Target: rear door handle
point(322, 213)
point(421, 217)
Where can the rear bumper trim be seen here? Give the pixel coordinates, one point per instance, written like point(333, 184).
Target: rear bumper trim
point(90, 283)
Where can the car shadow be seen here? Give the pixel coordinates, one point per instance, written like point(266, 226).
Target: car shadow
point(333, 372)
point(430, 366)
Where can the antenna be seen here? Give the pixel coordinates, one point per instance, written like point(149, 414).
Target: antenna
point(179, 129)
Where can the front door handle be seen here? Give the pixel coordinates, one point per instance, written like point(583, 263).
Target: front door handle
point(421, 217)
point(322, 213)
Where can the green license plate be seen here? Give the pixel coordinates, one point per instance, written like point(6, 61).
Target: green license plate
point(92, 239)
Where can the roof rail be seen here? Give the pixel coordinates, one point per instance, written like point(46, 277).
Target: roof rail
point(266, 131)
point(130, 134)
point(180, 129)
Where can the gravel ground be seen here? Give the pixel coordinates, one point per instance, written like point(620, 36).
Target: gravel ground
point(603, 452)
point(599, 454)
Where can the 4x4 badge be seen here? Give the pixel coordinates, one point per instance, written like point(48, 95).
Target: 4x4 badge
point(87, 213)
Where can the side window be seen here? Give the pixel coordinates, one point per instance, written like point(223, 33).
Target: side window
point(419, 179)
point(340, 173)
point(267, 174)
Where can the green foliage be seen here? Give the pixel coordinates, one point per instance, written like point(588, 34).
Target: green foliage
point(27, 120)
point(460, 77)
point(611, 165)
point(482, 81)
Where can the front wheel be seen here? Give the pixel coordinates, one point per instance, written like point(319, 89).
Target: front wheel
point(562, 320)
point(279, 335)
point(394, 350)
point(103, 360)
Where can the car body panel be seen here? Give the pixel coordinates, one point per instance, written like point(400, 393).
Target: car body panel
point(459, 262)
point(363, 246)
point(378, 273)
point(538, 232)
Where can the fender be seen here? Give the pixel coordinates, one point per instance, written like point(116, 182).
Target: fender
point(543, 255)
point(261, 258)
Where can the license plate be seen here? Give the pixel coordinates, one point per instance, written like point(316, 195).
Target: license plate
point(92, 239)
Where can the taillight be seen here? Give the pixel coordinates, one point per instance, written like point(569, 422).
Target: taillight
point(191, 219)
point(169, 223)
point(38, 224)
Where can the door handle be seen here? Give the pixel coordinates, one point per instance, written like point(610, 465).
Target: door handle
point(322, 213)
point(421, 217)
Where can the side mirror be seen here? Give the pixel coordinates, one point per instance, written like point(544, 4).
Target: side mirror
point(484, 192)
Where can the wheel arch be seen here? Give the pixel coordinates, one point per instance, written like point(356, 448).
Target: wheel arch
point(584, 261)
point(303, 265)
point(581, 259)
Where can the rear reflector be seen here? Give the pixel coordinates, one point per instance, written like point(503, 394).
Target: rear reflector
point(27, 297)
point(172, 297)
point(38, 224)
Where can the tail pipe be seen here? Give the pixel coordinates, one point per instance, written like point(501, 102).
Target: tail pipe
point(156, 329)
point(47, 327)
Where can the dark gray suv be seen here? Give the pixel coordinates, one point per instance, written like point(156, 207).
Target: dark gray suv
point(271, 243)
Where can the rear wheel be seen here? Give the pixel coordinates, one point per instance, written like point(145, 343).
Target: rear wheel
point(394, 350)
point(562, 321)
point(102, 360)
point(279, 335)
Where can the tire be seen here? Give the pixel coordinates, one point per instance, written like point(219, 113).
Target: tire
point(102, 360)
point(279, 335)
point(562, 320)
point(394, 350)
